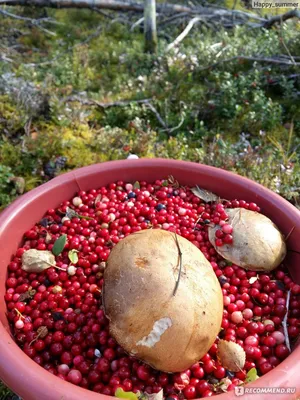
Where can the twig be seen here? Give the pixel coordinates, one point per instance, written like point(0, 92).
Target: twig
point(6, 59)
point(178, 126)
point(183, 34)
point(91, 102)
point(289, 234)
point(284, 44)
point(195, 225)
point(156, 113)
point(180, 264)
point(284, 322)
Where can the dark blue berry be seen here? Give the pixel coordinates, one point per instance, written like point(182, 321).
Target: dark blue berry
point(131, 195)
point(229, 374)
point(160, 207)
point(222, 279)
point(44, 222)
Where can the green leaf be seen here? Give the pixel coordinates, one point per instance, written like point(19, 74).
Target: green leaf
point(84, 217)
point(59, 245)
point(251, 375)
point(136, 185)
point(73, 256)
point(165, 183)
point(125, 395)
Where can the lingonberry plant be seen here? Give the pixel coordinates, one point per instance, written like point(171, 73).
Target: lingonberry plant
point(56, 315)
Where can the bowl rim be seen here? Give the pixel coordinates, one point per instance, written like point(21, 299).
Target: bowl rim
point(32, 376)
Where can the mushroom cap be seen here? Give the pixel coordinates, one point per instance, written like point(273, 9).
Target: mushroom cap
point(258, 245)
point(169, 332)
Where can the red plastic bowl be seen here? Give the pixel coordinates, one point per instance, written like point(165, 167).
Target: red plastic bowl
point(32, 382)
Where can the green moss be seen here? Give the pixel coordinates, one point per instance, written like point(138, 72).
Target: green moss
point(205, 109)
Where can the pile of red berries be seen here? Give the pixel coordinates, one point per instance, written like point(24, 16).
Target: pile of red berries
point(56, 315)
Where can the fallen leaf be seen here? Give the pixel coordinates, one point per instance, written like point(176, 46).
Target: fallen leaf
point(136, 185)
point(231, 355)
point(73, 256)
point(42, 332)
point(251, 375)
point(153, 396)
point(98, 198)
point(48, 238)
point(121, 394)
point(37, 260)
point(59, 245)
point(253, 279)
point(204, 195)
point(70, 213)
point(27, 295)
point(224, 383)
point(19, 183)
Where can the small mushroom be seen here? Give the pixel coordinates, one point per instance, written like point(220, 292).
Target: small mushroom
point(257, 245)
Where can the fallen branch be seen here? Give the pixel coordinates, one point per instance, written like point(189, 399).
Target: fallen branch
point(281, 18)
point(254, 59)
point(209, 12)
point(116, 5)
point(183, 34)
point(156, 113)
point(137, 23)
point(91, 102)
point(284, 322)
point(32, 21)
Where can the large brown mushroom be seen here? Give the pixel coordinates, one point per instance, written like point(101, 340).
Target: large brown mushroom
point(257, 244)
point(169, 332)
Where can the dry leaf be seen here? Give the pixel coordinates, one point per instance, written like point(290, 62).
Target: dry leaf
point(48, 238)
point(154, 396)
point(98, 198)
point(224, 383)
point(204, 195)
point(253, 279)
point(70, 213)
point(19, 183)
point(42, 332)
point(37, 260)
point(231, 355)
point(27, 295)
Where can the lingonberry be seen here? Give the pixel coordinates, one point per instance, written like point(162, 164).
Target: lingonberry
point(78, 346)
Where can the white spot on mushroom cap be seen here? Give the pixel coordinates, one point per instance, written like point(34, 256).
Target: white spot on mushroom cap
point(154, 336)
